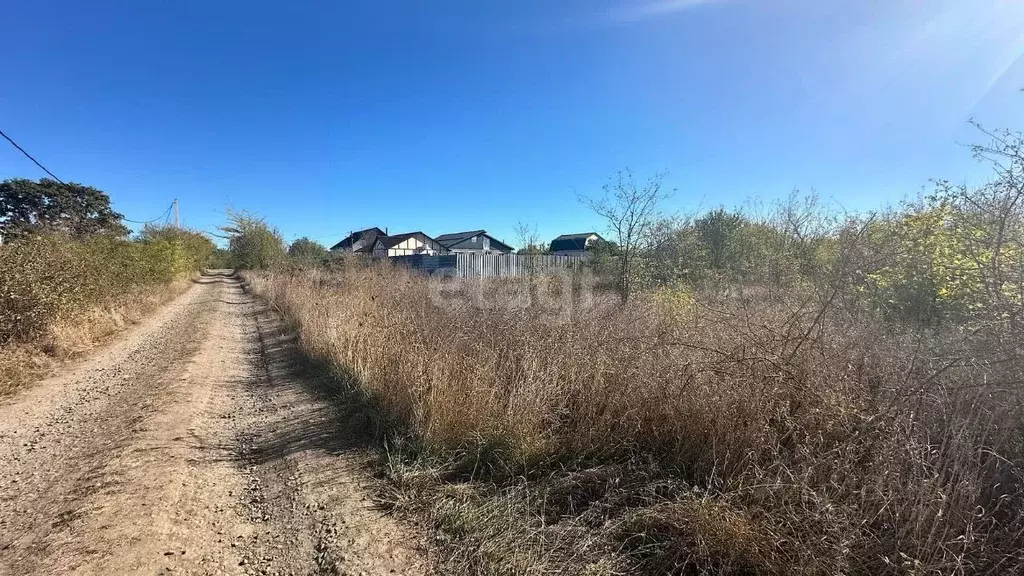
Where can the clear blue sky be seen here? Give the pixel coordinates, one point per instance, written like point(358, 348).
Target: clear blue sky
point(449, 115)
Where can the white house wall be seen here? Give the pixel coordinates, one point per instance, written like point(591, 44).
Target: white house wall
point(411, 246)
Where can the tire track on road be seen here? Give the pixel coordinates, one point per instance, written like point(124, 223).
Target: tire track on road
point(195, 445)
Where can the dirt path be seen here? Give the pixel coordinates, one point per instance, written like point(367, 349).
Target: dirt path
point(194, 445)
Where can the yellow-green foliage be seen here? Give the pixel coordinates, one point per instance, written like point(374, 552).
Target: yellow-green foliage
point(939, 264)
point(675, 302)
point(46, 279)
point(180, 251)
point(254, 245)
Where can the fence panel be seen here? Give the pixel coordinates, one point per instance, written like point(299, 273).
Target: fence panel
point(482, 265)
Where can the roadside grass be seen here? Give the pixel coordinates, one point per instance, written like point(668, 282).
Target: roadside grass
point(23, 363)
point(686, 433)
point(60, 297)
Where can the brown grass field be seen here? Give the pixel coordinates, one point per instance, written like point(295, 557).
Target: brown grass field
point(684, 432)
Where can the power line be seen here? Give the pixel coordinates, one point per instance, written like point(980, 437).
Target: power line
point(29, 156)
point(163, 216)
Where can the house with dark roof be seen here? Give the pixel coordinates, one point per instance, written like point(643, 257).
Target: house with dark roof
point(574, 244)
point(474, 241)
point(407, 244)
point(360, 242)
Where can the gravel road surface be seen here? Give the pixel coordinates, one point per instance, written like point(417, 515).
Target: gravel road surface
point(193, 445)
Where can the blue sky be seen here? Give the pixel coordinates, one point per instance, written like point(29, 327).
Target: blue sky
point(450, 115)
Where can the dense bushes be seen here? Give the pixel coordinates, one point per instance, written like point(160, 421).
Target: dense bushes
point(68, 276)
point(954, 256)
point(252, 243)
point(49, 278)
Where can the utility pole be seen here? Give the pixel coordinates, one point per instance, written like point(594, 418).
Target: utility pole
point(177, 220)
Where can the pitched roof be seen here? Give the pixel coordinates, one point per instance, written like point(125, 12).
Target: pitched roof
point(456, 237)
point(583, 235)
point(395, 239)
point(368, 235)
point(572, 241)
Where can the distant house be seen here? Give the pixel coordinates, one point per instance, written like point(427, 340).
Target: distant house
point(574, 244)
point(474, 241)
point(407, 244)
point(360, 242)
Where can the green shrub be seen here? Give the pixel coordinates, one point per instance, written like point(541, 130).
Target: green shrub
point(48, 278)
point(254, 245)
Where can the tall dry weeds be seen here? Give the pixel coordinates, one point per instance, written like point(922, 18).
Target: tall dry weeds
point(678, 434)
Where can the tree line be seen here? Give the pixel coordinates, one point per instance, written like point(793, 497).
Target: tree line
point(66, 251)
point(953, 253)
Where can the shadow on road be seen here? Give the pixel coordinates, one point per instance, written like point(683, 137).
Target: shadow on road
point(295, 407)
point(214, 276)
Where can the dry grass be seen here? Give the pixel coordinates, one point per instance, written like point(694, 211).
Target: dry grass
point(678, 434)
point(22, 363)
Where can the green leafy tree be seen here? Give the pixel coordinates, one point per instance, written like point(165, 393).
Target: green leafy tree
point(220, 258)
point(187, 250)
point(307, 251)
point(254, 244)
point(605, 260)
point(720, 234)
point(790, 243)
point(28, 207)
point(674, 253)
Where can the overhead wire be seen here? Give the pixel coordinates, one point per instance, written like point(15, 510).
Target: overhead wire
point(165, 215)
point(30, 157)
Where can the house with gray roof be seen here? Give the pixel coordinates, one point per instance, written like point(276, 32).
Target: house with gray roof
point(360, 242)
point(407, 244)
point(574, 244)
point(474, 241)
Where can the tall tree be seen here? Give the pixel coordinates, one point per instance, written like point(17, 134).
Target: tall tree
point(252, 242)
point(719, 234)
point(28, 207)
point(308, 251)
point(630, 211)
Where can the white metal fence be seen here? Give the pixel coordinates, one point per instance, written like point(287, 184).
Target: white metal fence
point(481, 265)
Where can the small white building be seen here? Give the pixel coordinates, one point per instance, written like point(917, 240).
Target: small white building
point(408, 244)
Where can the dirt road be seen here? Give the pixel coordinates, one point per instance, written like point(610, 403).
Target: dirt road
point(194, 445)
